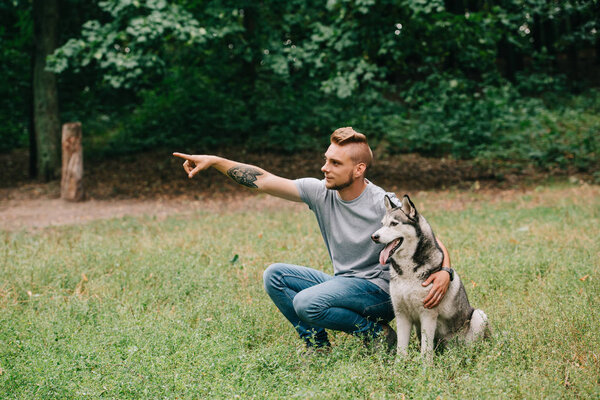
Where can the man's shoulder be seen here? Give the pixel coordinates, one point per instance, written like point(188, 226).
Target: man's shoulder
point(310, 184)
point(378, 190)
point(377, 193)
point(310, 189)
point(374, 188)
point(310, 180)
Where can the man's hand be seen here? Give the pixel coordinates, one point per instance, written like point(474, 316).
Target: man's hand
point(441, 281)
point(194, 164)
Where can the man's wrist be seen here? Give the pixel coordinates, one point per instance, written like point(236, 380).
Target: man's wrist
point(213, 160)
point(450, 272)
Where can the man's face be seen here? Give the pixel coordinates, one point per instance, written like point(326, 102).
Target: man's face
point(338, 168)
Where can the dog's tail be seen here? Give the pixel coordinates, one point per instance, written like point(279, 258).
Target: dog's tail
point(479, 327)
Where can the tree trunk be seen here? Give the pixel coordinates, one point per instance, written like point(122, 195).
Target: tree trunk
point(45, 95)
point(71, 185)
point(249, 67)
point(33, 173)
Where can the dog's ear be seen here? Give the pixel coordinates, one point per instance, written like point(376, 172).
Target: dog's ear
point(389, 204)
point(408, 207)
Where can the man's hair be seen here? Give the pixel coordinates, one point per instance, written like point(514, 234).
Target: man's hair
point(360, 151)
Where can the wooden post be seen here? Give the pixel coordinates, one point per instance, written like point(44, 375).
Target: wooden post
point(71, 185)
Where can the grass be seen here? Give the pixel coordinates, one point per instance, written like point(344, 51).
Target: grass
point(146, 308)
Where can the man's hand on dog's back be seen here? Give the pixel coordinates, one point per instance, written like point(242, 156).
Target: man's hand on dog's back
point(441, 281)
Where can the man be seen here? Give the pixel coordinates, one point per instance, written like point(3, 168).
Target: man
point(349, 209)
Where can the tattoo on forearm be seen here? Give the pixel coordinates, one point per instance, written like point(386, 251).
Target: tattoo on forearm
point(244, 175)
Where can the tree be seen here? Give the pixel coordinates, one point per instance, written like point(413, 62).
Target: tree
point(45, 94)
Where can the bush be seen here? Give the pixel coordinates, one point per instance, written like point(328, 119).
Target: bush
point(462, 118)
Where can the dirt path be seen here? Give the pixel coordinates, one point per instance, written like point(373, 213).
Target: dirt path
point(32, 214)
point(37, 213)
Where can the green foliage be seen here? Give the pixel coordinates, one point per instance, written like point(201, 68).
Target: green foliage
point(145, 308)
point(16, 29)
point(444, 77)
point(125, 48)
point(457, 117)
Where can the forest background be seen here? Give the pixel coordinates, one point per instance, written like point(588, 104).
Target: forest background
point(502, 83)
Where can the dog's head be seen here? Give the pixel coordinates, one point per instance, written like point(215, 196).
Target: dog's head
point(399, 223)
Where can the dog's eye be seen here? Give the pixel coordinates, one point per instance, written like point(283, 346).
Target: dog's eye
point(393, 223)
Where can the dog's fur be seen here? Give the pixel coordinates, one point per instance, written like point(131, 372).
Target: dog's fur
point(414, 254)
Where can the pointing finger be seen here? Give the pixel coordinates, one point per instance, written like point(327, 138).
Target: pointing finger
point(182, 155)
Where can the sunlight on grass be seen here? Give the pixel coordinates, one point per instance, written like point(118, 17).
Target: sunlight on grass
point(142, 308)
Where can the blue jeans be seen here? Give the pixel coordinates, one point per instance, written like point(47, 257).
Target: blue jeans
point(314, 301)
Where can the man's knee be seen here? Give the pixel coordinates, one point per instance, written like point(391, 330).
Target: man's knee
point(306, 306)
point(271, 276)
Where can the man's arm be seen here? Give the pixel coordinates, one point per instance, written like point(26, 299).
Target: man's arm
point(440, 279)
point(243, 174)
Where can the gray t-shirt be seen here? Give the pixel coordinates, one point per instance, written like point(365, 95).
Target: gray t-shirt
point(347, 227)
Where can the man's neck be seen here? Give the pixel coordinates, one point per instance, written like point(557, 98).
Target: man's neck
point(353, 191)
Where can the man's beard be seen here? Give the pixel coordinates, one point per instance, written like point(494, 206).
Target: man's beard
point(344, 185)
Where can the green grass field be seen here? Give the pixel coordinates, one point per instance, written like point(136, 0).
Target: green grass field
point(144, 308)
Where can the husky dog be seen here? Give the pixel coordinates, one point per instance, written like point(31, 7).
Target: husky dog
point(414, 254)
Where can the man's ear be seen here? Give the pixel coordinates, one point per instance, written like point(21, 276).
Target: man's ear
point(408, 207)
point(359, 169)
point(388, 203)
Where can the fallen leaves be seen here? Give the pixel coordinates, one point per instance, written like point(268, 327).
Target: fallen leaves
point(80, 288)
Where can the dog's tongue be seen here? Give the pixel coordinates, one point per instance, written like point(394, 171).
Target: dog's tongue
point(385, 253)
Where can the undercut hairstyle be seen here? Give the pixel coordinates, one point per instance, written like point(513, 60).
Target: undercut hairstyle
point(360, 152)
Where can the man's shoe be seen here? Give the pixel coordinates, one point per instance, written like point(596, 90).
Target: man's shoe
point(385, 340)
point(390, 337)
point(315, 350)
